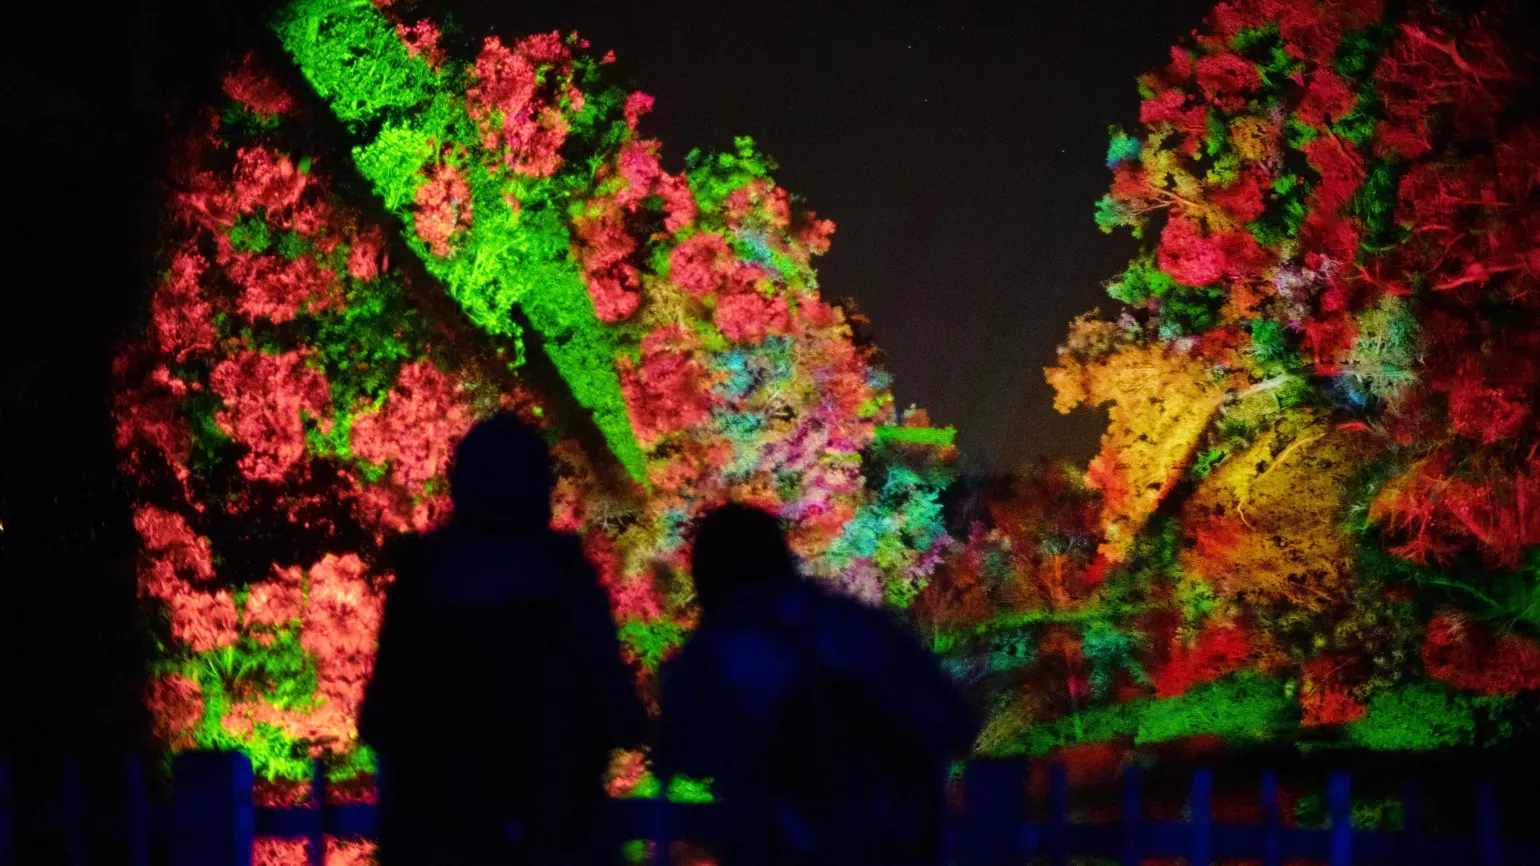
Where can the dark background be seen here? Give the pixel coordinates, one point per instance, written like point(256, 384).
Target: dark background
point(958, 146)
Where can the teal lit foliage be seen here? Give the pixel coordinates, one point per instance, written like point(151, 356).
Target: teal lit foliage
point(1124, 147)
point(1109, 650)
point(903, 518)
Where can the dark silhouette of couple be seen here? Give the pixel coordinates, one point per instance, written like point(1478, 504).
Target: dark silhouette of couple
point(499, 693)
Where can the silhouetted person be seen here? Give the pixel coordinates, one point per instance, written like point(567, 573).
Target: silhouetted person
point(826, 728)
point(498, 691)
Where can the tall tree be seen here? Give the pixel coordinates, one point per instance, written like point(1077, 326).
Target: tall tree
point(1323, 374)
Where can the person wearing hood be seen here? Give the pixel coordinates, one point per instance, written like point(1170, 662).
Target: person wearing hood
point(498, 690)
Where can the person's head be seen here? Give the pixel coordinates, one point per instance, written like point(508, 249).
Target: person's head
point(737, 546)
point(502, 474)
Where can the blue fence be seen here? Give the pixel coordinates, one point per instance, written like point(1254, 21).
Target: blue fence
point(210, 819)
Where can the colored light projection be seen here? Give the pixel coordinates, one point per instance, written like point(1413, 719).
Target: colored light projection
point(492, 233)
point(1313, 518)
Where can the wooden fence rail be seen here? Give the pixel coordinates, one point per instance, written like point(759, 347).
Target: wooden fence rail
point(210, 819)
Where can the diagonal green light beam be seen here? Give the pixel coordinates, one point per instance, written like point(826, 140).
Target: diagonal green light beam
point(517, 249)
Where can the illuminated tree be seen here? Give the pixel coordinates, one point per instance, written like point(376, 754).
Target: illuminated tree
point(1324, 373)
point(316, 345)
point(1313, 503)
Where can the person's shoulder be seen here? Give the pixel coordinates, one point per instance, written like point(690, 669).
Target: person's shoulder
point(708, 639)
point(406, 554)
point(568, 544)
point(564, 553)
point(859, 629)
point(838, 604)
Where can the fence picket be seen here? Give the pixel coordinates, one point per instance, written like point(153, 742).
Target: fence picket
point(1058, 815)
point(1272, 821)
point(1339, 804)
point(1489, 842)
point(213, 819)
point(995, 808)
point(1133, 817)
point(1201, 839)
point(316, 839)
point(136, 787)
point(660, 833)
point(1411, 824)
point(74, 801)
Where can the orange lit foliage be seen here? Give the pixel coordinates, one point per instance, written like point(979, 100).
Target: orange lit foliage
point(1264, 523)
point(1161, 403)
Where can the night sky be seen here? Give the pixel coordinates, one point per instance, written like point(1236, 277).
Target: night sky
point(958, 146)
